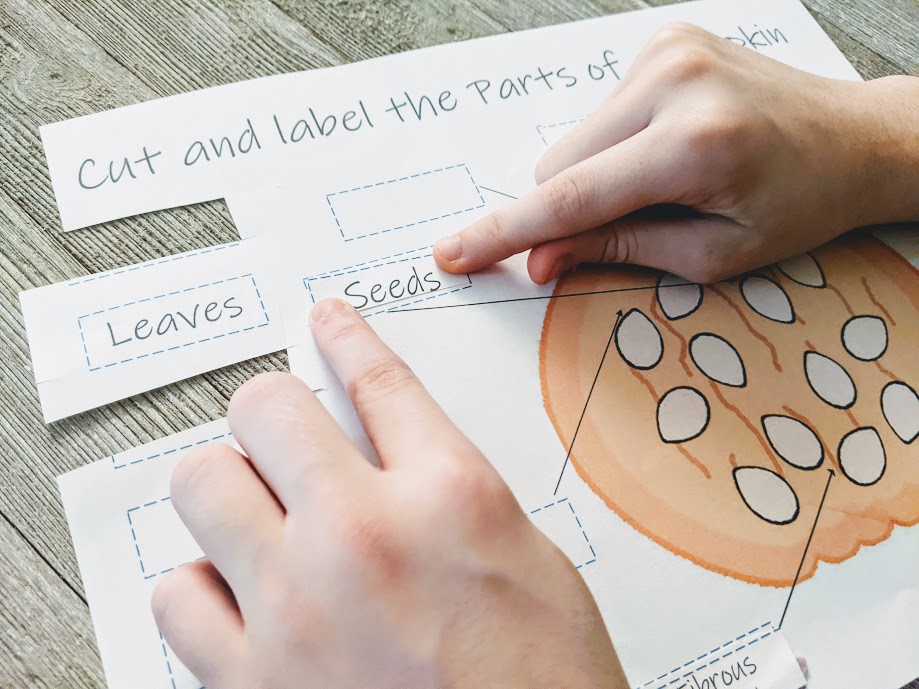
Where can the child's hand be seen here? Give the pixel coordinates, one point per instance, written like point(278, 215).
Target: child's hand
point(770, 160)
point(325, 571)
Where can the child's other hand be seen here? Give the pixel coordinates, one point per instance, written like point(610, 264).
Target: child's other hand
point(764, 161)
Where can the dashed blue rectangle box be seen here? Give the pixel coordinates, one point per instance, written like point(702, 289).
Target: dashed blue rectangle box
point(404, 202)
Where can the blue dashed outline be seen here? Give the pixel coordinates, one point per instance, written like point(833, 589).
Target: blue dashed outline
point(159, 455)
point(150, 264)
point(376, 263)
point(328, 198)
point(166, 650)
point(140, 559)
point(540, 127)
point(181, 346)
point(593, 552)
point(705, 655)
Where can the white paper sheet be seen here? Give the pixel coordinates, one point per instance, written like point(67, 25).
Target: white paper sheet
point(104, 337)
point(212, 143)
point(127, 536)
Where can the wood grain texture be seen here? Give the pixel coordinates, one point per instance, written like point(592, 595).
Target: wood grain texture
point(62, 59)
point(47, 635)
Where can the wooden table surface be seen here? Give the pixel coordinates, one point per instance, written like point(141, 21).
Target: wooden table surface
point(61, 59)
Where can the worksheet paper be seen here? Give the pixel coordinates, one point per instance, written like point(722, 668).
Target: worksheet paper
point(691, 543)
point(209, 144)
point(379, 157)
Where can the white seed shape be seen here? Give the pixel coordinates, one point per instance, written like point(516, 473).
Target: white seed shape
point(718, 359)
point(767, 298)
point(900, 405)
point(682, 415)
point(861, 456)
point(767, 494)
point(804, 270)
point(639, 341)
point(829, 380)
point(865, 337)
point(677, 298)
point(793, 441)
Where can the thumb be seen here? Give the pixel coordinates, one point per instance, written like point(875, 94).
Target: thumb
point(700, 249)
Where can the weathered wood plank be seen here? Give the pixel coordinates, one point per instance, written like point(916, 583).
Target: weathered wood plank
point(868, 63)
point(52, 71)
point(361, 30)
point(47, 640)
point(890, 28)
point(175, 47)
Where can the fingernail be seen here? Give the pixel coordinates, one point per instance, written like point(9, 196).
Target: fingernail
point(449, 248)
point(561, 264)
point(325, 308)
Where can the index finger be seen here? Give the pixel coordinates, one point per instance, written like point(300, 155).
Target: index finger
point(633, 174)
point(402, 420)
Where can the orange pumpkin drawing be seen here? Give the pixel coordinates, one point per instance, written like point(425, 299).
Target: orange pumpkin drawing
point(720, 409)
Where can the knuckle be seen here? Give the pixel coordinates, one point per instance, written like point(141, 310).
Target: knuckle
point(565, 198)
point(492, 231)
point(621, 244)
point(371, 543)
point(675, 32)
point(343, 330)
point(709, 264)
point(379, 379)
point(475, 496)
point(688, 62)
point(257, 391)
point(198, 468)
point(704, 273)
point(718, 141)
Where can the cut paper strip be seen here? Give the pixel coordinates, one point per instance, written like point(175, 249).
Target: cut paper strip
point(760, 658)
point(108, 336)
point(490, 94)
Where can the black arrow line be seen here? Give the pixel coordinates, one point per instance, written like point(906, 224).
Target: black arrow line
point(587, 401)
point(807, 547)
point(542, 296)
point(498, 192)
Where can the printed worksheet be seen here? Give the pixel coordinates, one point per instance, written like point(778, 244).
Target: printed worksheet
point(731, 467)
